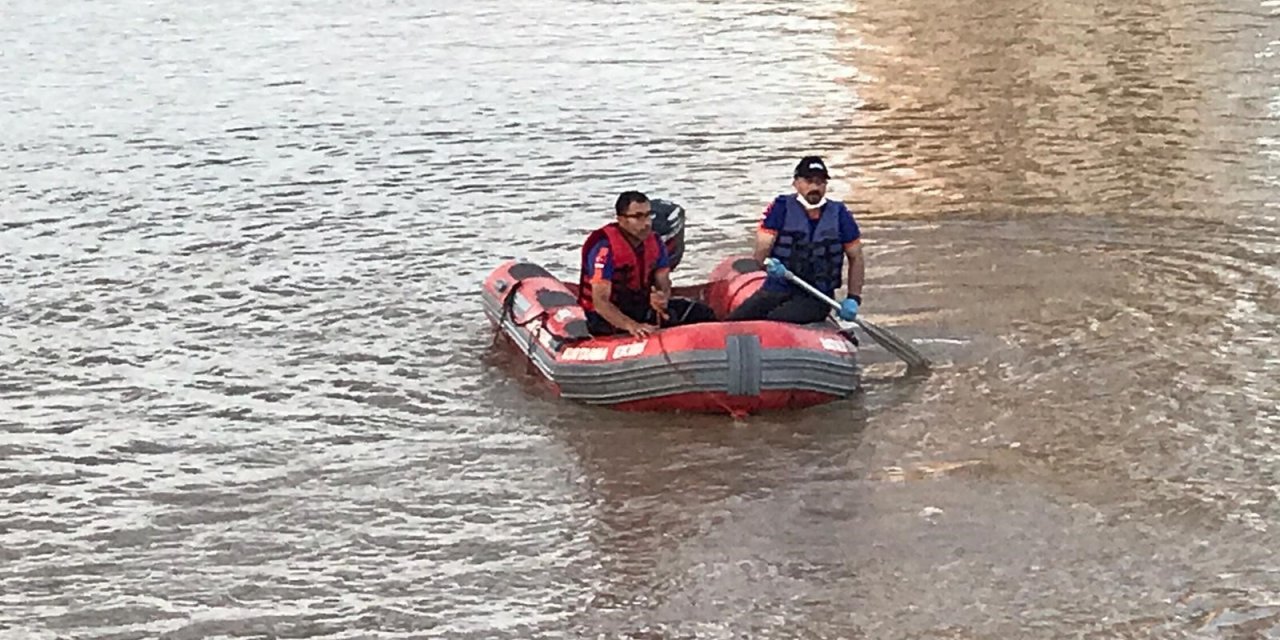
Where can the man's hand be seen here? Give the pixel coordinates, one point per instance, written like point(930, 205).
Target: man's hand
point(848, 309)
point(658, 301)
point(639, 329)
point(774, 270)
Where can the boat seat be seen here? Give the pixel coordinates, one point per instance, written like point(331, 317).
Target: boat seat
point(525, 270)
point(550, 299)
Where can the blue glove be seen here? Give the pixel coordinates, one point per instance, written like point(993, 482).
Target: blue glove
point(848, 309)
point(775, 269)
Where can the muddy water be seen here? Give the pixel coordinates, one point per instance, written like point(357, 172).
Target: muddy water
point(246, 389)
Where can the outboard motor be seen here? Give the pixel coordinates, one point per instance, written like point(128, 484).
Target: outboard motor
point(668, 223)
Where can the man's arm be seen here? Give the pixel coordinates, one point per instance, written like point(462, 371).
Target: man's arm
point(857, 269)
point(774, 216)
point(662, 278)
point(660, 294)
point(601, 290)
point(851, 238)
point(764, 244)
point(662, 271)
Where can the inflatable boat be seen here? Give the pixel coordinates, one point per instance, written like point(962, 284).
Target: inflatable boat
point(737, 368)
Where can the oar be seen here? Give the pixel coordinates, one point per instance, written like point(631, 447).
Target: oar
point(887, 339)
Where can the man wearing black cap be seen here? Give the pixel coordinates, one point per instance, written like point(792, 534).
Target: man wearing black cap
point(811, 236)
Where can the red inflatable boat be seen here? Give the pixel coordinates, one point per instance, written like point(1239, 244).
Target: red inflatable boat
point(720, 367)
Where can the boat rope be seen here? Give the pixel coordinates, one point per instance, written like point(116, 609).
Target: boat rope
point(508, 313)
point(737, 414)
point(533, 337)
point(508, 301)
point(728, 299)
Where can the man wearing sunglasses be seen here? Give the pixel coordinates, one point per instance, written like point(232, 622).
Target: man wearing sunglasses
point(625, 284)
point(812, 236)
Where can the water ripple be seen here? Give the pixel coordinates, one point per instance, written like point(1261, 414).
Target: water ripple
point(247, 388)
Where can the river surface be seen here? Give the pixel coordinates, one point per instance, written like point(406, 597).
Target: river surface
point(247, 389)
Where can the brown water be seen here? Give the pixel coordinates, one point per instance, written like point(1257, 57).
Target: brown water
point(246, 389)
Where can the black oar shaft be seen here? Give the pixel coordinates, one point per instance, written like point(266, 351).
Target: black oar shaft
point(887, 339)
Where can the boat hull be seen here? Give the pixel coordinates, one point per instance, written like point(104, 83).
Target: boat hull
point(718, 367)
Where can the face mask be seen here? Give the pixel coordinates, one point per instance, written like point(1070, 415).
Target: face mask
point(805, 203)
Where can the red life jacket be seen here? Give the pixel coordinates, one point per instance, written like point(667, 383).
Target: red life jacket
point(632, 270)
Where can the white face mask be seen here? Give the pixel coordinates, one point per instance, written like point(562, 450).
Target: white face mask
point(805, 203)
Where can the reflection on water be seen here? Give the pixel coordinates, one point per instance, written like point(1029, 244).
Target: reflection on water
point(1084, 108)
point(246, 388)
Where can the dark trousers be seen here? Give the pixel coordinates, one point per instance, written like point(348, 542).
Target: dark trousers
point(794, 306)
point(680, 311)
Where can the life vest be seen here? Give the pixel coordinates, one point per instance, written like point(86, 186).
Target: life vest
point(812, 252)
point(632, 270)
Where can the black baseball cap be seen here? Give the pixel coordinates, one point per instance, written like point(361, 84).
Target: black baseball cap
point(812, 166)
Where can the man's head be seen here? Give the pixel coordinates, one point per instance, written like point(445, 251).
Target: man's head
point(811, 179)
point(634, 213)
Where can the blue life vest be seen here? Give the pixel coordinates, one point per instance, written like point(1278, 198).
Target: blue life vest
point(811, 251)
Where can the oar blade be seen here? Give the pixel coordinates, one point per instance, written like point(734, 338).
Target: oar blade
point(916, 362)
